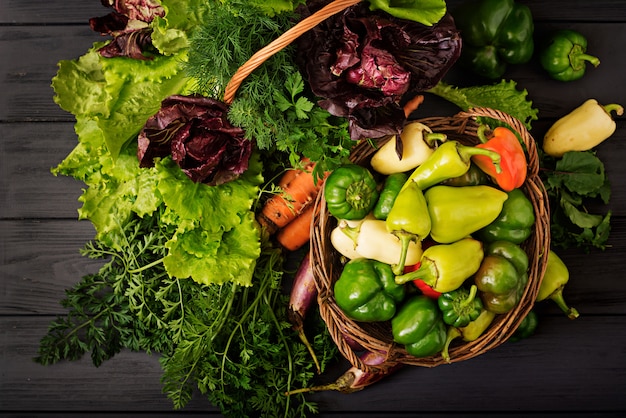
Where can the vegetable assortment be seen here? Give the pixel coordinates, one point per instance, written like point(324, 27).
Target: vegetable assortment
point(453, 275)
point(197, 201)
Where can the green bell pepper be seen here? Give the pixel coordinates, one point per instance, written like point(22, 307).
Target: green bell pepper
point(391, 188)
point(495, 33)
point(564, 55)
point(461, 306)
point(514, 223)
point(444, 267)
point(350, 192)
point(526, 328)
point(456, 212)
point(366, 291)
point(554, 280)
point(470, 332)
point(419, 327)
point(408, 220)
point(502, 276)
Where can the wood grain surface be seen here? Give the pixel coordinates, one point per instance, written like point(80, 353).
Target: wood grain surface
point(567, 369)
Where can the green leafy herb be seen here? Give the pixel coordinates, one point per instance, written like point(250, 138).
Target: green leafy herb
point(574, 182)
point(279, 117)
point(232, 343)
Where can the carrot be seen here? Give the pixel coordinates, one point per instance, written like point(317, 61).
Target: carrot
point(297, 232)
point(297, 192)
point(412, 105)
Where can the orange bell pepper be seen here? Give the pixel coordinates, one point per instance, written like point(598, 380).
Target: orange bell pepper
point(513, 163)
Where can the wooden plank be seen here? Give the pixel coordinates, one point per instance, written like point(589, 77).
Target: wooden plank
point(33, 12)
point(39, 260)
point(27, 187)
point(26, 91)
point(566, 366)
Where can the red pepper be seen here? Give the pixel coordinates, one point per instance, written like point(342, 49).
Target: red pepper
point(421, 285)
point(513, 162)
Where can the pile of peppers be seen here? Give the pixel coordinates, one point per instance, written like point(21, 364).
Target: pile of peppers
point(435, 249)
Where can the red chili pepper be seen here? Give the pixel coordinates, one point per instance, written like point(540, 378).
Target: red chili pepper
point(513, 162)
point(421, 285)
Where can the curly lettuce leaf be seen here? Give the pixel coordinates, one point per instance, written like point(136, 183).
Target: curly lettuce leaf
point(503, 96)
point(217, 239)
point(170, 33)
point(119, 94)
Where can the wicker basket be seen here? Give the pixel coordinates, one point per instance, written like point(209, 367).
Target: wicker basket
point(327, 263)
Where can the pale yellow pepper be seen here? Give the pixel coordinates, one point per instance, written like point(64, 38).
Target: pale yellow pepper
point(417, 145)
point(581, 130)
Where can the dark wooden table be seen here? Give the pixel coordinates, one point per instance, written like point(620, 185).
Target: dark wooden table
point(568, 368)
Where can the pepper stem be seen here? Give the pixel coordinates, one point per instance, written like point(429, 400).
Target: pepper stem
point(557, 297)
point(480, 133)
point(466, 153)
point(470, 297)
point(405, 239)
point(427, 272)
point(614, 107)
point(452, 334)
point(577, 58)
point(351, 232)
point(431, 137)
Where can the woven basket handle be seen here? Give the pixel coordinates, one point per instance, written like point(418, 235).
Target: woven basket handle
point(281, 42)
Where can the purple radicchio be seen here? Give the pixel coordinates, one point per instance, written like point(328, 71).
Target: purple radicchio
point(362, 64)
point(194, 130)
point(128, 24)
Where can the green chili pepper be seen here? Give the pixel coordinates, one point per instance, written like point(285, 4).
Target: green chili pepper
point(408, 220)
point(445, 267)
point(564, 55)
point(470, 332)
point(460, 306)
point(495, 33)
point(350, 192)
point(514, 223)
point(392, 186)
point(451, 159)
point(526, 328)
point(456, 212)
point(366, 291)
point(554, 280)
point(502, 276)
point(419, 327)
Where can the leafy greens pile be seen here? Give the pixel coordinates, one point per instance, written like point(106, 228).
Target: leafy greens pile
point(186, 273)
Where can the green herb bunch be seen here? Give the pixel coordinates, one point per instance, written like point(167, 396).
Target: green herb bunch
point(232, 343)
point(272, 105)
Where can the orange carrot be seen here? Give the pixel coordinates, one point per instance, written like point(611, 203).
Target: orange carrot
point(298, 192)
point(297, 232)
point(412, 105)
